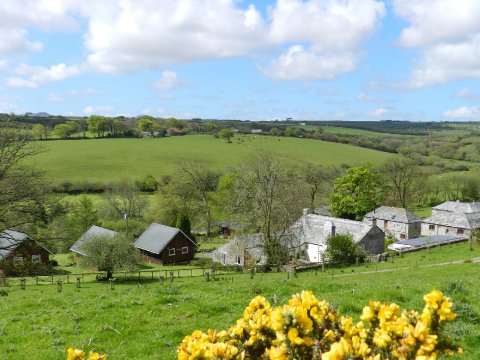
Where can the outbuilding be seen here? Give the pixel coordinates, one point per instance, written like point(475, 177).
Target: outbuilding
point(19, 253)
point(163, 245)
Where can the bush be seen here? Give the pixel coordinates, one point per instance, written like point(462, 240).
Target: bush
point(306, 328)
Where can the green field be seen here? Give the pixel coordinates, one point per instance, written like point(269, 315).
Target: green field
point(148, 320)
point(117, 159)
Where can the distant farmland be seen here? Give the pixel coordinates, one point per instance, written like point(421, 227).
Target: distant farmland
point(116, 159)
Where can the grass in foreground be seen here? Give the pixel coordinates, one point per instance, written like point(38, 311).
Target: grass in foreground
point(148, 320)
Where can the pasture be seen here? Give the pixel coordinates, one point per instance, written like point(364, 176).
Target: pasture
point(117, 159)
point(148, 320)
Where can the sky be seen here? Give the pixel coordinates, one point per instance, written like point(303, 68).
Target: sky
point(416, 60)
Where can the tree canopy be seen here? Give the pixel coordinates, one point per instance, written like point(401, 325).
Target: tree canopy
point(342, 249)
point(356, 193)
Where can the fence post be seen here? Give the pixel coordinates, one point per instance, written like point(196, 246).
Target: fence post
point(171, 276)
point(59, 286)
point(207, 276)
point(68, 278)
point(161, 279)
point(36, 280)
point(78, 282)
point(178, 272)
point(252, 271)
point(22, 283)
point(52, 279)
point(152, 275)
point(112, 283)
point(191, 272)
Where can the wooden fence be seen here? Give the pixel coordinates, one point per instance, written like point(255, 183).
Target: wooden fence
point(133, 275)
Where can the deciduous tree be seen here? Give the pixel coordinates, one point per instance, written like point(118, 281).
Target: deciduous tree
point(356, 193)
point(107, 253)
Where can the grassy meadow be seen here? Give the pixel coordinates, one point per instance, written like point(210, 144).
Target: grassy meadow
point(117, 159)
point(148, 320)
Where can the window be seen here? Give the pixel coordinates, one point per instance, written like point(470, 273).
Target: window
point(185, 250)
point(237, 260)
point(171, 252)
point(402, 236)
point(459, 231)
point(385, 224)
point(17, 260)
point(431, 227)
point(36, 259)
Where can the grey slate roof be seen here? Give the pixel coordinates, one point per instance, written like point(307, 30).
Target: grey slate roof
point(251, 243)
point(393, 214)
point(10, 240)
point(458, 207)
point(315, 229)
point(426, 241)
point(92, 232)
point(156, 237)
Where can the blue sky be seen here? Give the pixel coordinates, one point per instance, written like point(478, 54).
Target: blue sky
point(234, 59)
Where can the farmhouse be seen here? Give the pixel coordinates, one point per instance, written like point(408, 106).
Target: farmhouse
point(396, 222)
point(309, 234)
point(19, 253)
point(452, 218)
point(93, 232)
point(242, 250)
point(162, 245)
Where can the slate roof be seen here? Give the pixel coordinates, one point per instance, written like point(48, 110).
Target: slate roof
point(458, 207)
point(156, 237)
point(92, 232)
point(251, 243)
point(315, 229)
point(393, 214)
point(456, 220)
point(10, 240)
point(425, 241)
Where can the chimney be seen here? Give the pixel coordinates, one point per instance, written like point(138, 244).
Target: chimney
point(329, 229)
point(306, 211)
point(374, 222)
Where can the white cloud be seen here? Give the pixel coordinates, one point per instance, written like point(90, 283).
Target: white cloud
point(300, 64)
point(98, 110)
point(18, 16)
point(334, 40)
point(6, 107)
point(448, 35)
point(168, 80)
point(468, 94)
point(379, 112)
point(127, 35)
point(31, 77)
point(465, 112)
point(434, 21)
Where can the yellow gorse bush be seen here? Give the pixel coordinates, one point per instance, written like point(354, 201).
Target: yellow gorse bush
point(77, 354)
point(306, 328)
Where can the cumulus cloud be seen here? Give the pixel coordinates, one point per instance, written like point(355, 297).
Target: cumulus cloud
point(334, 29)
point(18, 16)
point(98, 110)
point(448, 34)
point(300, 64)
point(168, 80)
point(464, 112)
point(139, 34)
point(323, 36)
point(468, 94)
point(31, 77)
point(379, 112)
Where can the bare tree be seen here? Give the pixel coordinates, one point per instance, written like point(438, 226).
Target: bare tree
point(203, 182)
point(403, 180)
point(266, 197)
point(318, 180)
point(25, 200)
point(124, 199)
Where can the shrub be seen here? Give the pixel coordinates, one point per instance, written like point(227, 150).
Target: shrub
point(306, 328)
